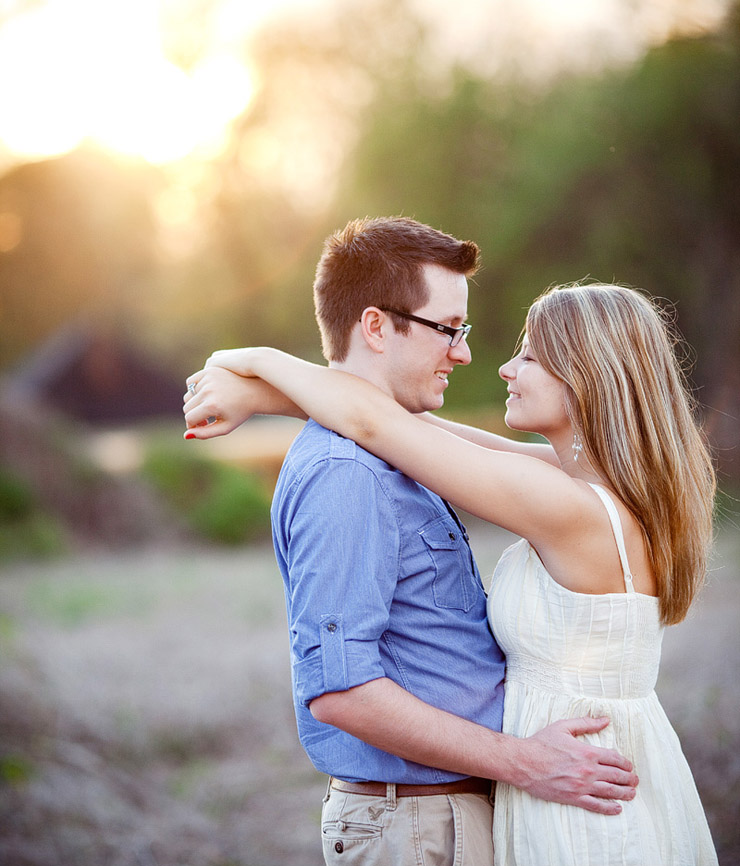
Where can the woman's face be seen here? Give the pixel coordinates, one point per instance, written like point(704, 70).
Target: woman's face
point(536, 402)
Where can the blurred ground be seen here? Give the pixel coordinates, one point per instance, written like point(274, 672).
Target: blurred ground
point(146, 717)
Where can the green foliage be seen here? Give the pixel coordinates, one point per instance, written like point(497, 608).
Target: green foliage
point(628, 176)
point(72, 603)
point(15, 770)
point(219, 502)
point(727, 506)
point(25, 530)
point(16, 501)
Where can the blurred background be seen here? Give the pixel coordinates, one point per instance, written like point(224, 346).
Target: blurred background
point(168, 172)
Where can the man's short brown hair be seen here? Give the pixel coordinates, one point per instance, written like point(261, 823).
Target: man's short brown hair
point(378, 262)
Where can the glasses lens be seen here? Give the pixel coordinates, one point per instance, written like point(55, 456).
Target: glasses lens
point(460, 333)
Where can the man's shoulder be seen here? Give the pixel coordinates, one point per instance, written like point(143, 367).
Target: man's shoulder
point(316, 445)
point(322, 470)
point(338, 478)
point(322, 463)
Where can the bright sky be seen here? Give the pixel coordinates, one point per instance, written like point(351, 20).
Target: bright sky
point(94, 69)
point(75, 70)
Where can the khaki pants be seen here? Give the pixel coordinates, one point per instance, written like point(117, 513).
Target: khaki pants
point(439, 830)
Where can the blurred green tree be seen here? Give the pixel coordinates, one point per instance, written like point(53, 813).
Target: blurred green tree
point(628, 176)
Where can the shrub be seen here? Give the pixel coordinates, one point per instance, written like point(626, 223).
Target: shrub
point(219, 502)
point(16, 501)
point(25, 530)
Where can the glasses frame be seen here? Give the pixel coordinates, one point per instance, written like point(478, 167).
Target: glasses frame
point(456, 335)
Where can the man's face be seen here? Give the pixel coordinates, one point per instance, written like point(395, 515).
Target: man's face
point(419, 362)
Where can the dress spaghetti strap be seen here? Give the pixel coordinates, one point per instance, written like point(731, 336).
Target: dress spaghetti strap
point(616, 523)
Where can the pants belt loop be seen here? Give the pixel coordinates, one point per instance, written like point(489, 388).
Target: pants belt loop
point(391, 801)
point(328, 789)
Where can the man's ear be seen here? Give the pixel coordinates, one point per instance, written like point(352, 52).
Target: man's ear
point(374, 325)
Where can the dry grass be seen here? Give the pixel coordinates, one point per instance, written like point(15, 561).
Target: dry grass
point(146, 716)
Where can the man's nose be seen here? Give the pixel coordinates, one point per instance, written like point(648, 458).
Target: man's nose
point(461, 353)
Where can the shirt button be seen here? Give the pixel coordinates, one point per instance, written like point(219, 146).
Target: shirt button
point(452, 535)
point(332, 627)
point(339, 847)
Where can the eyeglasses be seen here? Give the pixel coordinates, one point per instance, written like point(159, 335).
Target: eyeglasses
point(455, 334)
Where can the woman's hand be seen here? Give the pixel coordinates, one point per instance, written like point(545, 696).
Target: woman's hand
point(218, 401)
point(239, 361)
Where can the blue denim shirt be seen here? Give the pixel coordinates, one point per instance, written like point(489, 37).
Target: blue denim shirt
point(379, 582)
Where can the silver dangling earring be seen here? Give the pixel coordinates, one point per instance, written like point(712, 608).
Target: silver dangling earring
point(577, 447)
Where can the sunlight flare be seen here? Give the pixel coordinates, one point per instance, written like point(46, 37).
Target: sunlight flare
point(83, 70)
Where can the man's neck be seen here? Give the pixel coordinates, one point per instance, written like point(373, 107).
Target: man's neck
point(363, 370)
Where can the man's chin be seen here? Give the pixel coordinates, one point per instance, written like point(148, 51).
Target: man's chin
point(433, 405)
point(430, 403)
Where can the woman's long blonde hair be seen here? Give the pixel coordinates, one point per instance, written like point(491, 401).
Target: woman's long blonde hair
point(629, 401)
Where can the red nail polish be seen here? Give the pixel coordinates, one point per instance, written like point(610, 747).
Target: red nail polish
point(190, 435)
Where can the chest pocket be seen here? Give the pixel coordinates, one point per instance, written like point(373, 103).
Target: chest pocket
point(453, 585)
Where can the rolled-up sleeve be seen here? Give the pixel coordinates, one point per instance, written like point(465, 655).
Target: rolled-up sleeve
point(341, 540)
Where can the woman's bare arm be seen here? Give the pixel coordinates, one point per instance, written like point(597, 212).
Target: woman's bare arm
point(486, 439)
point(232, 399)
point(528, 496)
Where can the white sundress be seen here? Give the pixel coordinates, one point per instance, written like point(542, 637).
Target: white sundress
point(573, 654)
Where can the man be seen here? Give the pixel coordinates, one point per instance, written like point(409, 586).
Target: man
point(398, 682)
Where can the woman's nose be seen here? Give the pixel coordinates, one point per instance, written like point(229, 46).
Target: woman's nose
point(506, 371)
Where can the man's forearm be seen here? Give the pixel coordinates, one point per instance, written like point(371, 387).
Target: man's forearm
point(552, 764)
point(388, 717)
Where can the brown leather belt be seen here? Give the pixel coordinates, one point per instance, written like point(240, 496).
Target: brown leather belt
point(472, 785)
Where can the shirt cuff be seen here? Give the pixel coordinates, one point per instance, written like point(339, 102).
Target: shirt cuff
point(337, 664)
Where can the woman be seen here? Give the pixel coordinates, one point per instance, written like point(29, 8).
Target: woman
point(614, 547)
